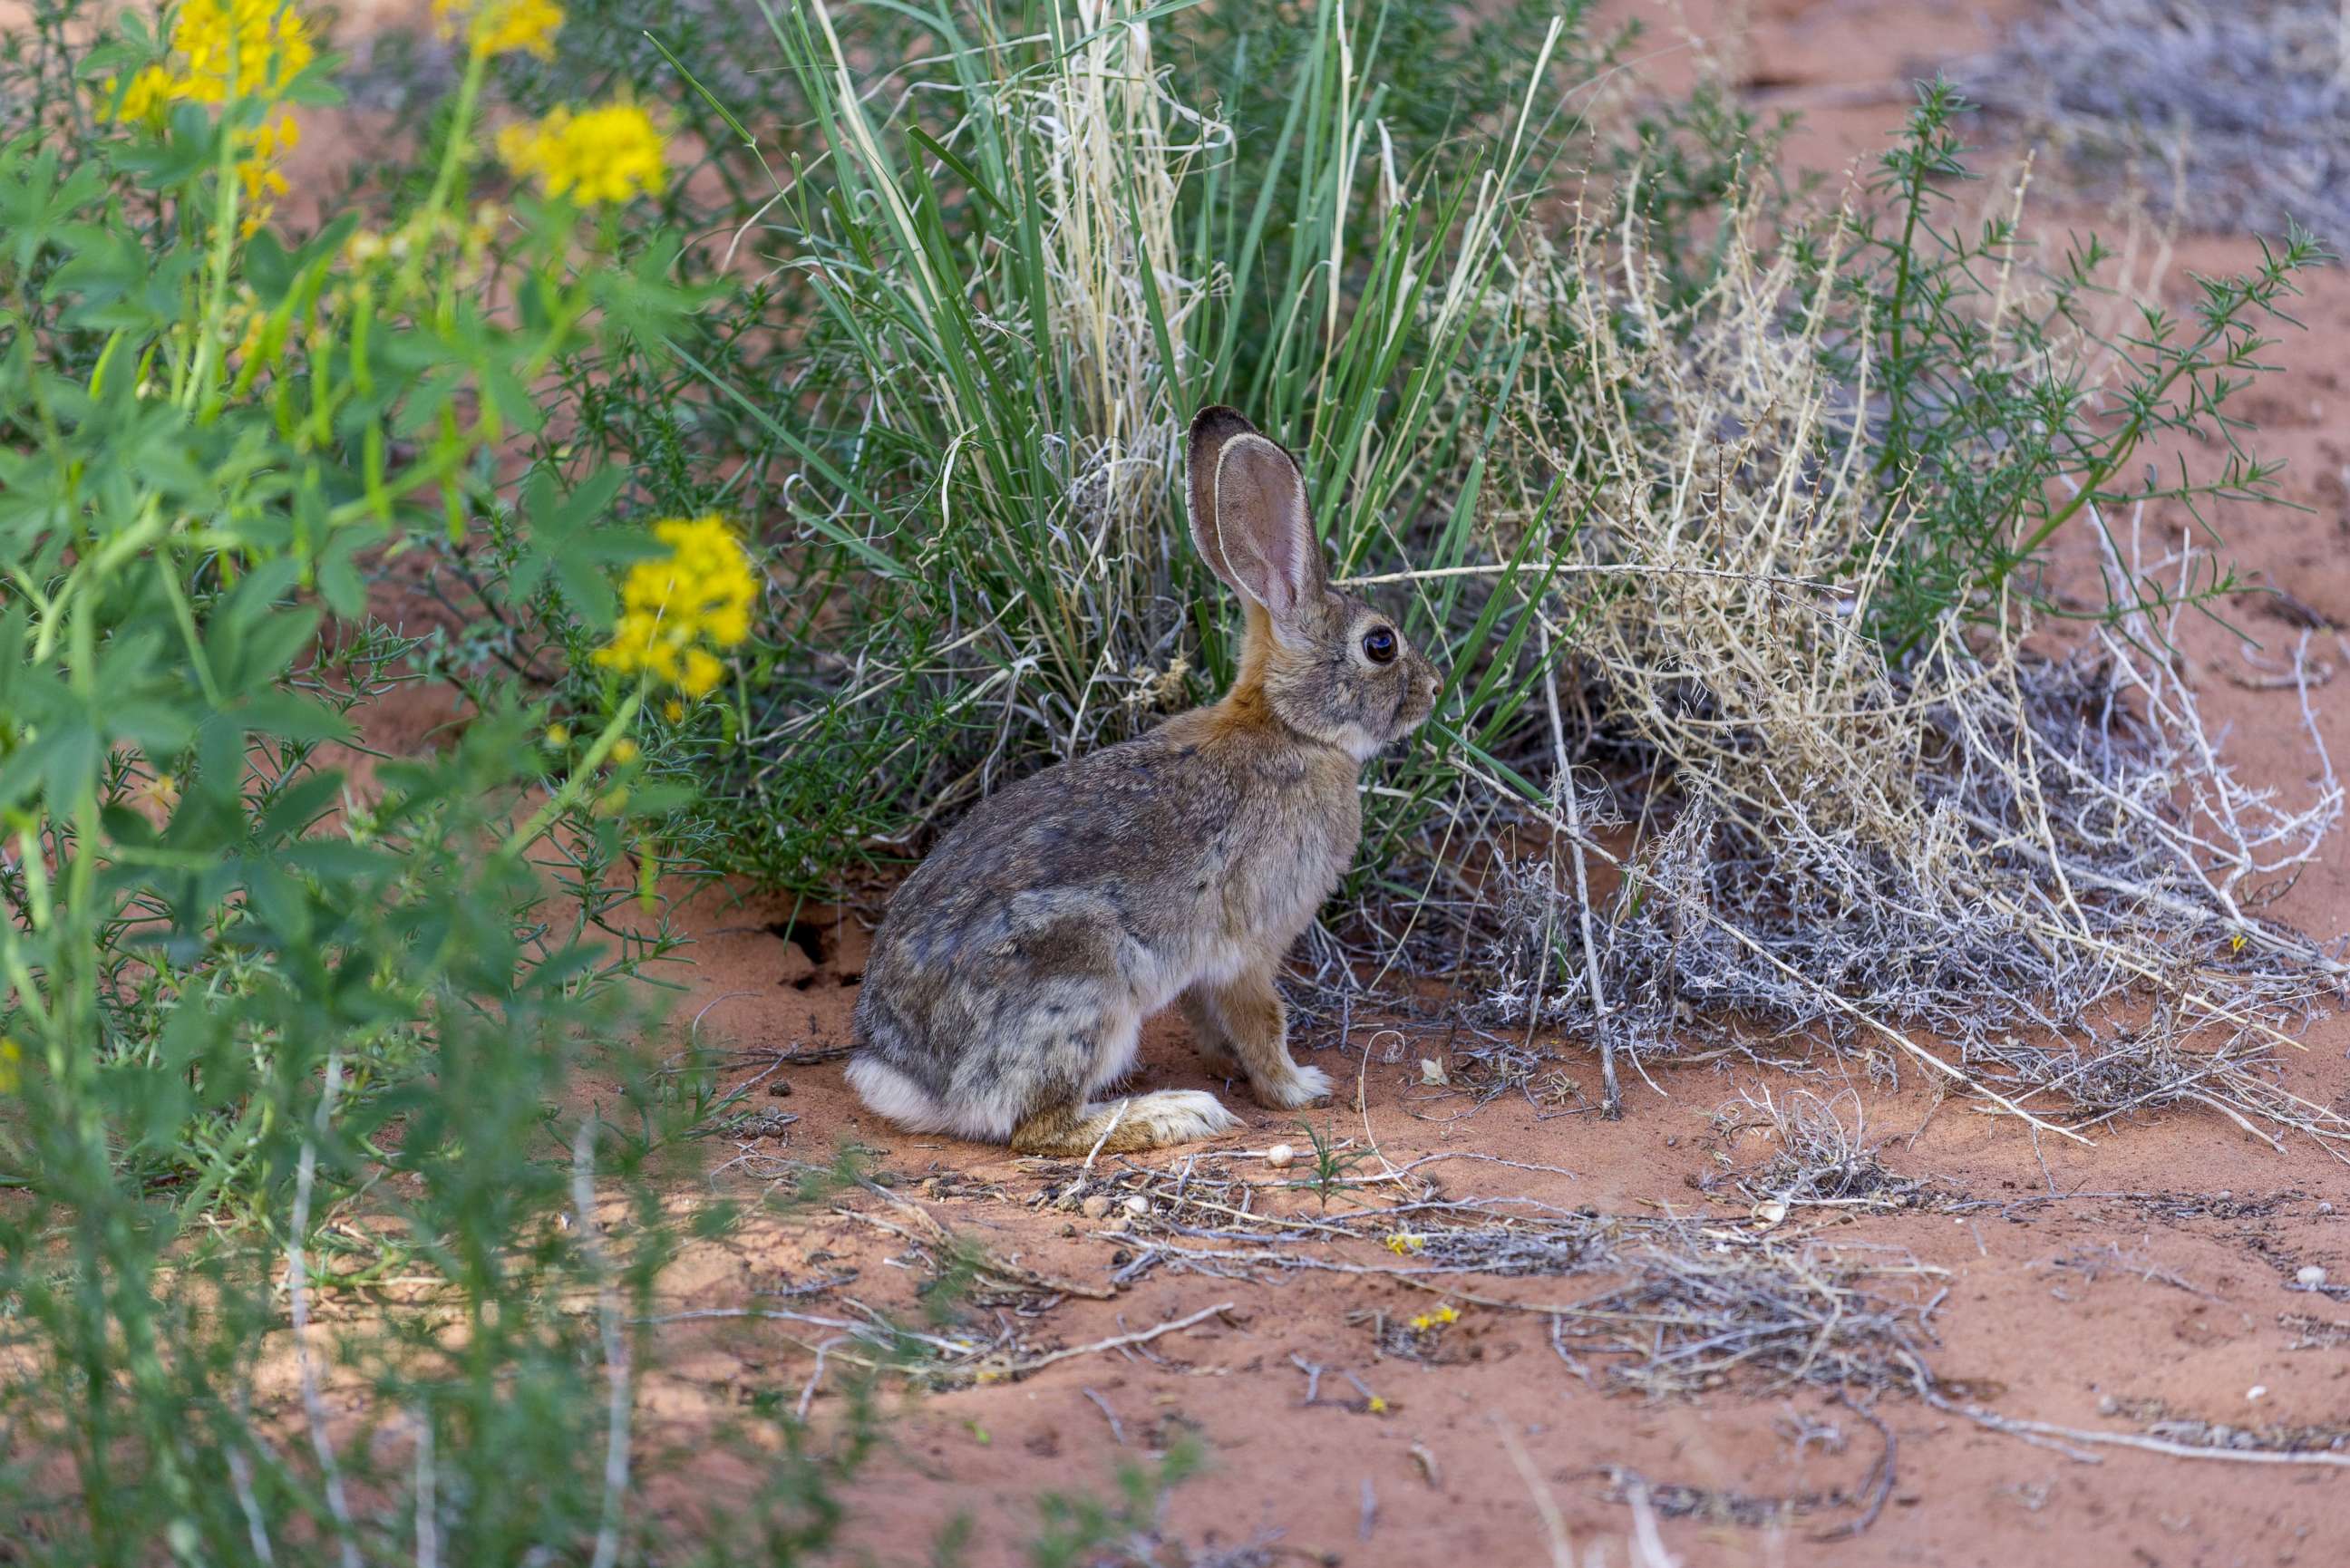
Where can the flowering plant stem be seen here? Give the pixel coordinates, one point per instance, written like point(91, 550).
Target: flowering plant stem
point(199, 369)
point(461, 128)
point(564, 799)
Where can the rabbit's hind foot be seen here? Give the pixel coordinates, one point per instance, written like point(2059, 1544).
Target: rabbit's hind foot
point(1139, 1122)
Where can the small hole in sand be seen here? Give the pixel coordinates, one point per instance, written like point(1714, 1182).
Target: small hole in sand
point(805, 935)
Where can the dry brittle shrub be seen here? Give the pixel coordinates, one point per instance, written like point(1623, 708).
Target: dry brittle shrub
point(2016, 860)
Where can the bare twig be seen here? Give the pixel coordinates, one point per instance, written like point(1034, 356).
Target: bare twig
point(1611, 1103)
point(240, 1475)
point(1116, 1432)
point(1554, 1524)
point(1116, 1341)
point(2322, 1457)
point(428, 1492)
point(298, 1279)
point(1880, 1477)
point(617, 1370)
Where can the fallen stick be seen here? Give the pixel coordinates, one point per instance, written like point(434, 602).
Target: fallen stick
point(1553, 1522)
point(2015, 1426)
point(1117, 1430)
point(1118, 1342)
point(1611, 1097)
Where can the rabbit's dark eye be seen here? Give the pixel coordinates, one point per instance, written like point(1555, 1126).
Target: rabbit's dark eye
point(1380, 644)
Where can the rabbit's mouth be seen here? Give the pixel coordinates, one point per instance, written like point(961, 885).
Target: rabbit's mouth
point(1414, 705)
point(1397, 726)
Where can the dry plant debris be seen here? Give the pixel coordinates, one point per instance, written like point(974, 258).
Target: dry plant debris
point(2016, 860)
point(1696, 1305)
point(1817, 1161)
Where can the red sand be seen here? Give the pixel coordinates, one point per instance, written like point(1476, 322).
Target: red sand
point(2193, 1323)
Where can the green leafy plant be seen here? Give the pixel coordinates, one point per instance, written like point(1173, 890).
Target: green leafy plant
point(285, 1019)
point(1332, 1164)
point(2005, 412)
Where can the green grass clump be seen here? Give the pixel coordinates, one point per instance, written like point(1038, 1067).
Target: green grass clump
point(996, 259)
point(990, 300)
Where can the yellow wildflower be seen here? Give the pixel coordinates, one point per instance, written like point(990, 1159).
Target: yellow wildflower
point(1448, 1313)
point(1403, 1242)
point(671, 606)
point(558, 735)
point(609, 153)
point(162, 792)
point(500, 26)
point(272, 140)
point(256, 171)
point(149, 96)
point(673, 711)
point(12, 1063)
point(624, 751)
point(231, 48)
point(247, 48)
point(1423, 1323)
point(1376, 1406)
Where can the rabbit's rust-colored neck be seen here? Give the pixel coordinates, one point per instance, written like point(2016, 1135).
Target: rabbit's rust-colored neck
point(1248, 705)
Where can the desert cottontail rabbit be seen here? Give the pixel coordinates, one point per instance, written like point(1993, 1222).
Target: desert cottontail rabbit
point(1008, 984)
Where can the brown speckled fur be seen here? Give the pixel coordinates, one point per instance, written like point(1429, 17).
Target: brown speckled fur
point(1011, 974)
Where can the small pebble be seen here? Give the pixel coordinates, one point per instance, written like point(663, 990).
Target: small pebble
point(2326, 1209)
point(1095, 1206)
point(2257, 1392)
point(2311, 1275)
point(1137, 1205)
point(1281, 1156)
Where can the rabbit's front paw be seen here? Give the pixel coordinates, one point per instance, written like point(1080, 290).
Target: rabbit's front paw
point(1184, 1116)
point(1298, 1086)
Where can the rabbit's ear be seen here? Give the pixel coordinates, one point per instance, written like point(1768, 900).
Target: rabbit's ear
point(1261, 520)
point(1211, 428)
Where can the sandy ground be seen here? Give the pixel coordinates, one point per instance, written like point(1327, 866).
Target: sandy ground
point(2178, 1295)
point(2175, 1291)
